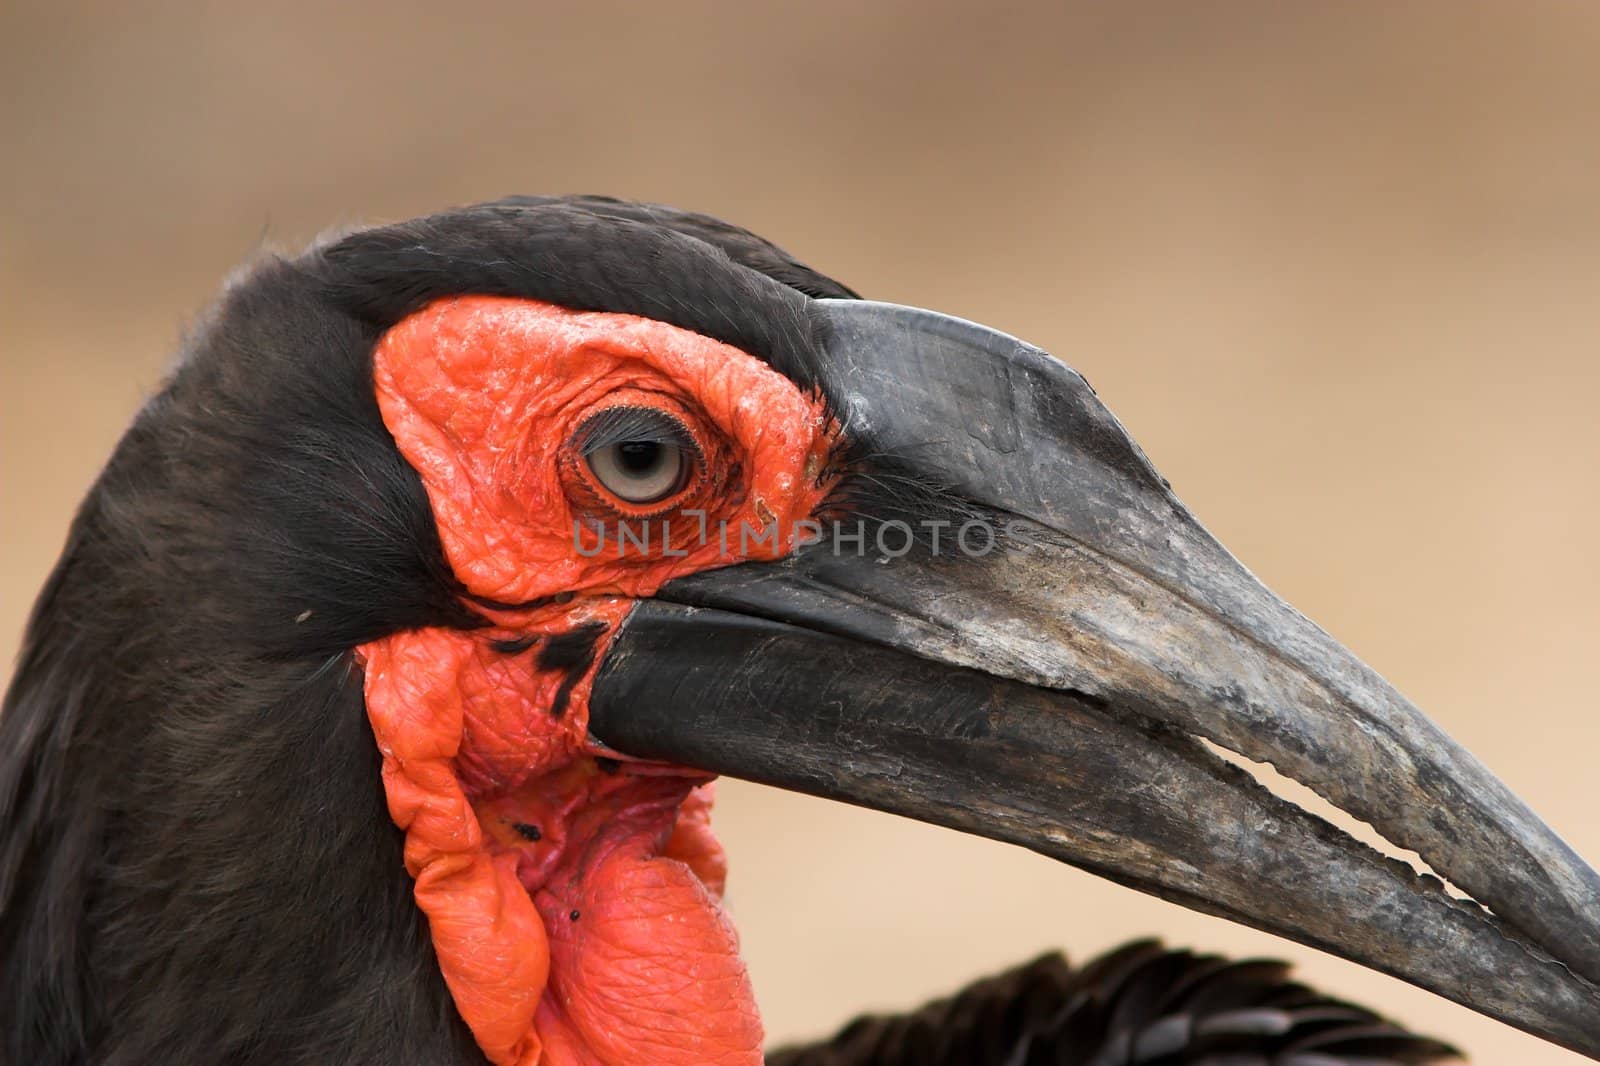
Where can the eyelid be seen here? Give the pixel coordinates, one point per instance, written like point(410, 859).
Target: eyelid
point(627, 422)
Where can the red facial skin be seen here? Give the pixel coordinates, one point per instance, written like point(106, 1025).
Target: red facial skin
point(603, 940)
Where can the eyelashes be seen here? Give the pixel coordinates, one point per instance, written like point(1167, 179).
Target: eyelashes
point(627, 424)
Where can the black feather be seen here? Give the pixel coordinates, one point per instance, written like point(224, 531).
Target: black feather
point(590, 254)
point(1140, 1005)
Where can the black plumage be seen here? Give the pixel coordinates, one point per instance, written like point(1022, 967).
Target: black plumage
point(1140, 1005)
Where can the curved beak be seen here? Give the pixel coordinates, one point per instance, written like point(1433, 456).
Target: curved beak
point(1053, 656)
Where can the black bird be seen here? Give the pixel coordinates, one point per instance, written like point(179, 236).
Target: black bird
point(369, 712)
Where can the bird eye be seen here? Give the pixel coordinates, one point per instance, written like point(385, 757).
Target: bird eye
point(639, 471)
point(638, 454)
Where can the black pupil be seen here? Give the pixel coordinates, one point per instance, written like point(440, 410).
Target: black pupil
point(638, 456)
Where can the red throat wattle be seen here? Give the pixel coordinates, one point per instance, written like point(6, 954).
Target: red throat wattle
point(573, 897)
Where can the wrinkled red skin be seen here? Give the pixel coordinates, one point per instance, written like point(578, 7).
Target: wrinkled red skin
point(603, 940)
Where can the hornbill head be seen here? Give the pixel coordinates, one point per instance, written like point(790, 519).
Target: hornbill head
point(579, 503)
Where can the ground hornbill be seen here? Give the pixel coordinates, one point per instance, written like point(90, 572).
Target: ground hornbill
point(370, 713)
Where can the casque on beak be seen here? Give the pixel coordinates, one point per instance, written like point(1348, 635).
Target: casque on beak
point(1048, 678)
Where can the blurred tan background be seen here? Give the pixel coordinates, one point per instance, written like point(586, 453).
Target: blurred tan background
point(1336, 265)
